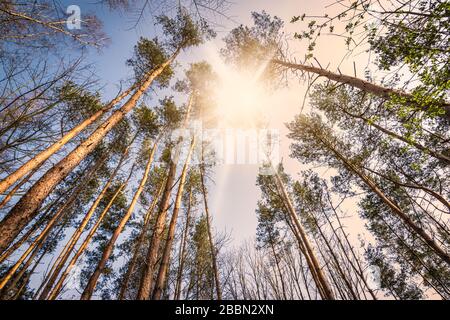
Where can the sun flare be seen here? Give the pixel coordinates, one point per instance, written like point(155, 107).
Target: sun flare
point(241, 97)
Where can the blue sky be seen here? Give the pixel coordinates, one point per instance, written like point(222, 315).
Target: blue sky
point(233, 195)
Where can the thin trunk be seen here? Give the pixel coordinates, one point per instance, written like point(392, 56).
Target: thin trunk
point(309, 262)
point(37, 160)
point(139, 243)
point(48, 208)
point(13, 191)
point(363, 85)
point(277, 263)
point(391, 204)
point(163, 268)
point(358, 269)
point(210, 238)
point(146, 282)
point(27, 206)
point(328, 294)
point(344, 278)
point(89, 290)
point(151, 257)
point(27, 235)
point(394, 135)
point(183, 250)
point(64, 255)
point(33, 255)
point(87, 240)
point(63, 211)
point(27, 278)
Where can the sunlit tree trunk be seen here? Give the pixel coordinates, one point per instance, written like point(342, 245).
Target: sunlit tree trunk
point(38, 159)
point(150, 260)
point(162, 273)
point(139, 244)
point(16, 188)
point(36, 250)
point(66, 252)
point(59, 285)
point(146, 281)
point(359, 83)
point(62, 211)
point(27, 206)
point(182, 254)
point(327, 293)
point(89, 289)
point(27, 278)
point(31, 231)
point(386, 200)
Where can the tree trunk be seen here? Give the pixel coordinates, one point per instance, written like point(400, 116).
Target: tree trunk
point(210, 238)
point(328, 294)
point(363, 85)
point(152, 253)
point(391, 204)
point(56, 290)
point(63, 211)
point(35, 226)
point(140, 242)
point(394, 135)
point(37, 160)
point(182, 251)
point(26, 208)
point(89, 290)
point(163, 268)
point(30, 259)
point(13, 191)
point(64, 255)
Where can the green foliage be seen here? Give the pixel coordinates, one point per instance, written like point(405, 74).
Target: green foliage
point(148, 55)
point(146, 121)
point(247, 47)
point(77, 102)
point(182, 32)
point(168, 113)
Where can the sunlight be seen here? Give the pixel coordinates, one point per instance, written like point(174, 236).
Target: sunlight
point(241, 97)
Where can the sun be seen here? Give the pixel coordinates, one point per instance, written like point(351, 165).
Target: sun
point(240, 96)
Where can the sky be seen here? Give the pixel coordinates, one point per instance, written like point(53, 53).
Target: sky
point(233, 193)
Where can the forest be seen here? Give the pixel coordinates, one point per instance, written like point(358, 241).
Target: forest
point(118, 119)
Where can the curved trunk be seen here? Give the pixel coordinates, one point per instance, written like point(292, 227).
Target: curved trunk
point(89, 289)
point(26, 208)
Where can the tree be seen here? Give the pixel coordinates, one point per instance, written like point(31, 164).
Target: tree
point(253, 45)
point(25, 209)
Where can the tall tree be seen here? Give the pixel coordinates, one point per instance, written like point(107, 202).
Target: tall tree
point(182, 33)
